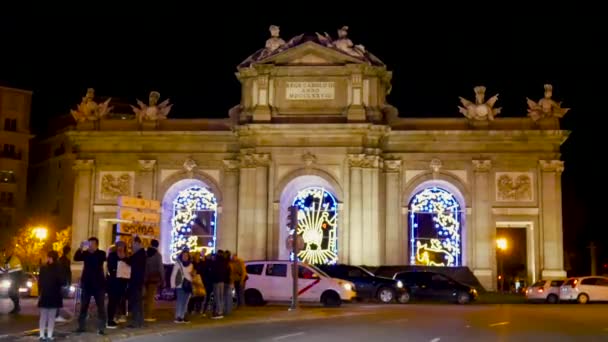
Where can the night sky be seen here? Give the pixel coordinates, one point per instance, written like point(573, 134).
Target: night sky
point(436, 53)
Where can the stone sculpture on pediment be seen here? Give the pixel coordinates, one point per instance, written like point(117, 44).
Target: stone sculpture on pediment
point(152, 111)
point(89, 110)
point(546, 107)
point(274, 43)
point(480, 110)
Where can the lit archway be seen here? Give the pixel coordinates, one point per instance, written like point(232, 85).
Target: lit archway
point(435, 222)
point(317, 224)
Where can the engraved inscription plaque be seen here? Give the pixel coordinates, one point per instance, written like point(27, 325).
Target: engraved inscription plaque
point(310, 91)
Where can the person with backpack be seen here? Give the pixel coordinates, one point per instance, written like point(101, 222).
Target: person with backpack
point(181, 281)
point(154, 277)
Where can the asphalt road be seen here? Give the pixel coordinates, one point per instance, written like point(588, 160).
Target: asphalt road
point(428, 323)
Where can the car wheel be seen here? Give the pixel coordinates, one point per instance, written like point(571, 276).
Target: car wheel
point(404, 298)
point(386, 295)
point(552, 299)
point(583, 298)
point(463, 298)
point(331, 299)
point(253, 298)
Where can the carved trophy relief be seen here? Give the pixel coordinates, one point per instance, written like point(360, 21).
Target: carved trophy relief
point(114, 184)
point(514, 186)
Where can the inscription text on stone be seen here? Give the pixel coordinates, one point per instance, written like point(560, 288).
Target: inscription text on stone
point(310, 91)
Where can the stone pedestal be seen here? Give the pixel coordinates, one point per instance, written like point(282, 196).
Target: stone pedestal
point(394, 231)
point(552, 262)
point(227, 234)
point(84, 170)
point(261, 111)
point(145, 179)
point(483, 229)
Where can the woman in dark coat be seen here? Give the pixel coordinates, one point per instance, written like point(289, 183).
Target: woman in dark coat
point(50, 282)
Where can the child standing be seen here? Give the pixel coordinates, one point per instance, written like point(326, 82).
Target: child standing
point(50, 282)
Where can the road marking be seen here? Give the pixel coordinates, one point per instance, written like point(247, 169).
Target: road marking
point(282, 337)
point(436, 339)
point(499, 323)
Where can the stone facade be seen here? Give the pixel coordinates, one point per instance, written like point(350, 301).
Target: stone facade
point(348, 140)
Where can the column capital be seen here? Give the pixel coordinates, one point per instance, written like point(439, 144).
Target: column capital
point(392, 165)
point(83, 164)
point(482, 165)
point(231, 165)
point(363, 160)
point(556, 166)
point(146, 165)
point(252, 160)
point(356, 160)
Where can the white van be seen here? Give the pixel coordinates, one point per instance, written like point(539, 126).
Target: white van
point(272, 281)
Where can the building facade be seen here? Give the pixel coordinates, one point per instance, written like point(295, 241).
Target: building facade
point(15, 105)
point(314, 130)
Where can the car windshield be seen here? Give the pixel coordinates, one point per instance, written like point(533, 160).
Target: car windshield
point(318, 270)
point(366, 271)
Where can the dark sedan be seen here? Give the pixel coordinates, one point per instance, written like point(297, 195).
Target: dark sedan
point(367, 285)
point(436, 287)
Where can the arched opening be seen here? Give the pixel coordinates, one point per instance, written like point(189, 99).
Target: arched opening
point(318, 225)
point(189, 219)
point(435, 228)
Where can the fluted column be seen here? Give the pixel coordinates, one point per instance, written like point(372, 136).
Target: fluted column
point(84, 170)
point(372, 230)
point(551, 219)
point(355, 230)
point(227, 234)
point(395, 241)
point(483, 230)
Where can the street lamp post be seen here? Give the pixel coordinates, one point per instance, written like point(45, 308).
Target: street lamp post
point(41, 233)
point(501, 245)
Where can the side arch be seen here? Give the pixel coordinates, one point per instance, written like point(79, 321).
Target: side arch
point(441, 179)
point(334, 185)
point(201, 176)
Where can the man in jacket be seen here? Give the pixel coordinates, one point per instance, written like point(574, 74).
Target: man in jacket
point(65, 265)
point(154, 277)
point(11, 265)
point(135, 291)
point(239, 276)
point(92, 283)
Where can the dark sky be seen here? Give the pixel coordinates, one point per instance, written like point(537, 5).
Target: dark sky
point(437, 53)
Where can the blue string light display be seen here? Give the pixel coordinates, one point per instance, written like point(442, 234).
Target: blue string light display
point(435, 228)
point(317, 224)
point(189, 209)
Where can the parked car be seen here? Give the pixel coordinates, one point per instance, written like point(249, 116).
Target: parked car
point(272, 281)
point(28, 285)
point(544, 291)
point(427, 285)
point(585, 289)
point(367, 285)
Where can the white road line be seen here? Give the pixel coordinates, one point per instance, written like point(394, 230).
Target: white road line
point(436, 339)
point(282, 337)
point(499, 323)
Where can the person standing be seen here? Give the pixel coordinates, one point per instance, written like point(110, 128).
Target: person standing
point(65, 265)
point(206, 272)
point(228, 283)
point(92, 283)
point(117, 281)
point(12, 267)
point(155, 276)
point(50, 283)
point(239, 272)
point(135, 290)
point(219, 275)
point(181, 281)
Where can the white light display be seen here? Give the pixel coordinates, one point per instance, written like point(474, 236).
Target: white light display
point(194, 209)
point(317, 216)
point(440, 245)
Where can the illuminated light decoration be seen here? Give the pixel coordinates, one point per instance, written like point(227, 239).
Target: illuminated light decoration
point(194, 207)
point(317, 214)
point(435, 228)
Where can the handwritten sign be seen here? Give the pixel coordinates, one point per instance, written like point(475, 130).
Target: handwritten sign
point(138, 216)
point(310, 91)
point(140, 230)
point(138, 203)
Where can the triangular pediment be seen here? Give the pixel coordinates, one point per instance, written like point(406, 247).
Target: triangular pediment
point(311, 53)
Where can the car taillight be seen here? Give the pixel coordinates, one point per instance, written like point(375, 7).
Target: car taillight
point(541, 290)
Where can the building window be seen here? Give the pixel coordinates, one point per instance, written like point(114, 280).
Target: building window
point(10, 125)
point(7, 177)
point(7, 199)
point(194, 221)
point(317, 224)
point(9, 149)
point(435, 228)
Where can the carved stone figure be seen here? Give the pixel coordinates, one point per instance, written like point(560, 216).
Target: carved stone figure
point(480, 110)
point(546, 107)
point(89, 110)
point(309, 159)
point(510, 187)
point(275, 41)
point(152, 111)
point(113, 186)
point(435, 165)
point(189, 165)
point(344, 44)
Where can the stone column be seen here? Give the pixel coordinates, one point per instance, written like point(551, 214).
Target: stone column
point(253, 206)
point(482, 228)
point(552, 261)
point(84, 170)
point(372, 231)
point(394, 231)
point(146, 179)
point(355, 229)
point(227, 233)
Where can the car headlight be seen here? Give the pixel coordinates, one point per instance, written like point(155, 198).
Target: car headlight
point(399, 284)
point(29, 284)
point(72, 288)
point(6, 284)
point(347, 286)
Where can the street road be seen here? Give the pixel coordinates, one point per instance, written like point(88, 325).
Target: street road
point(428, 323)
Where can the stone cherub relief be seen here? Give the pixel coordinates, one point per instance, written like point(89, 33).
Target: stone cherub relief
point(480, 110)
point(89, 110)
point(546, 107)
point(113, 186)
point(514, 187)
point(343, 43)
point(152, 111)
